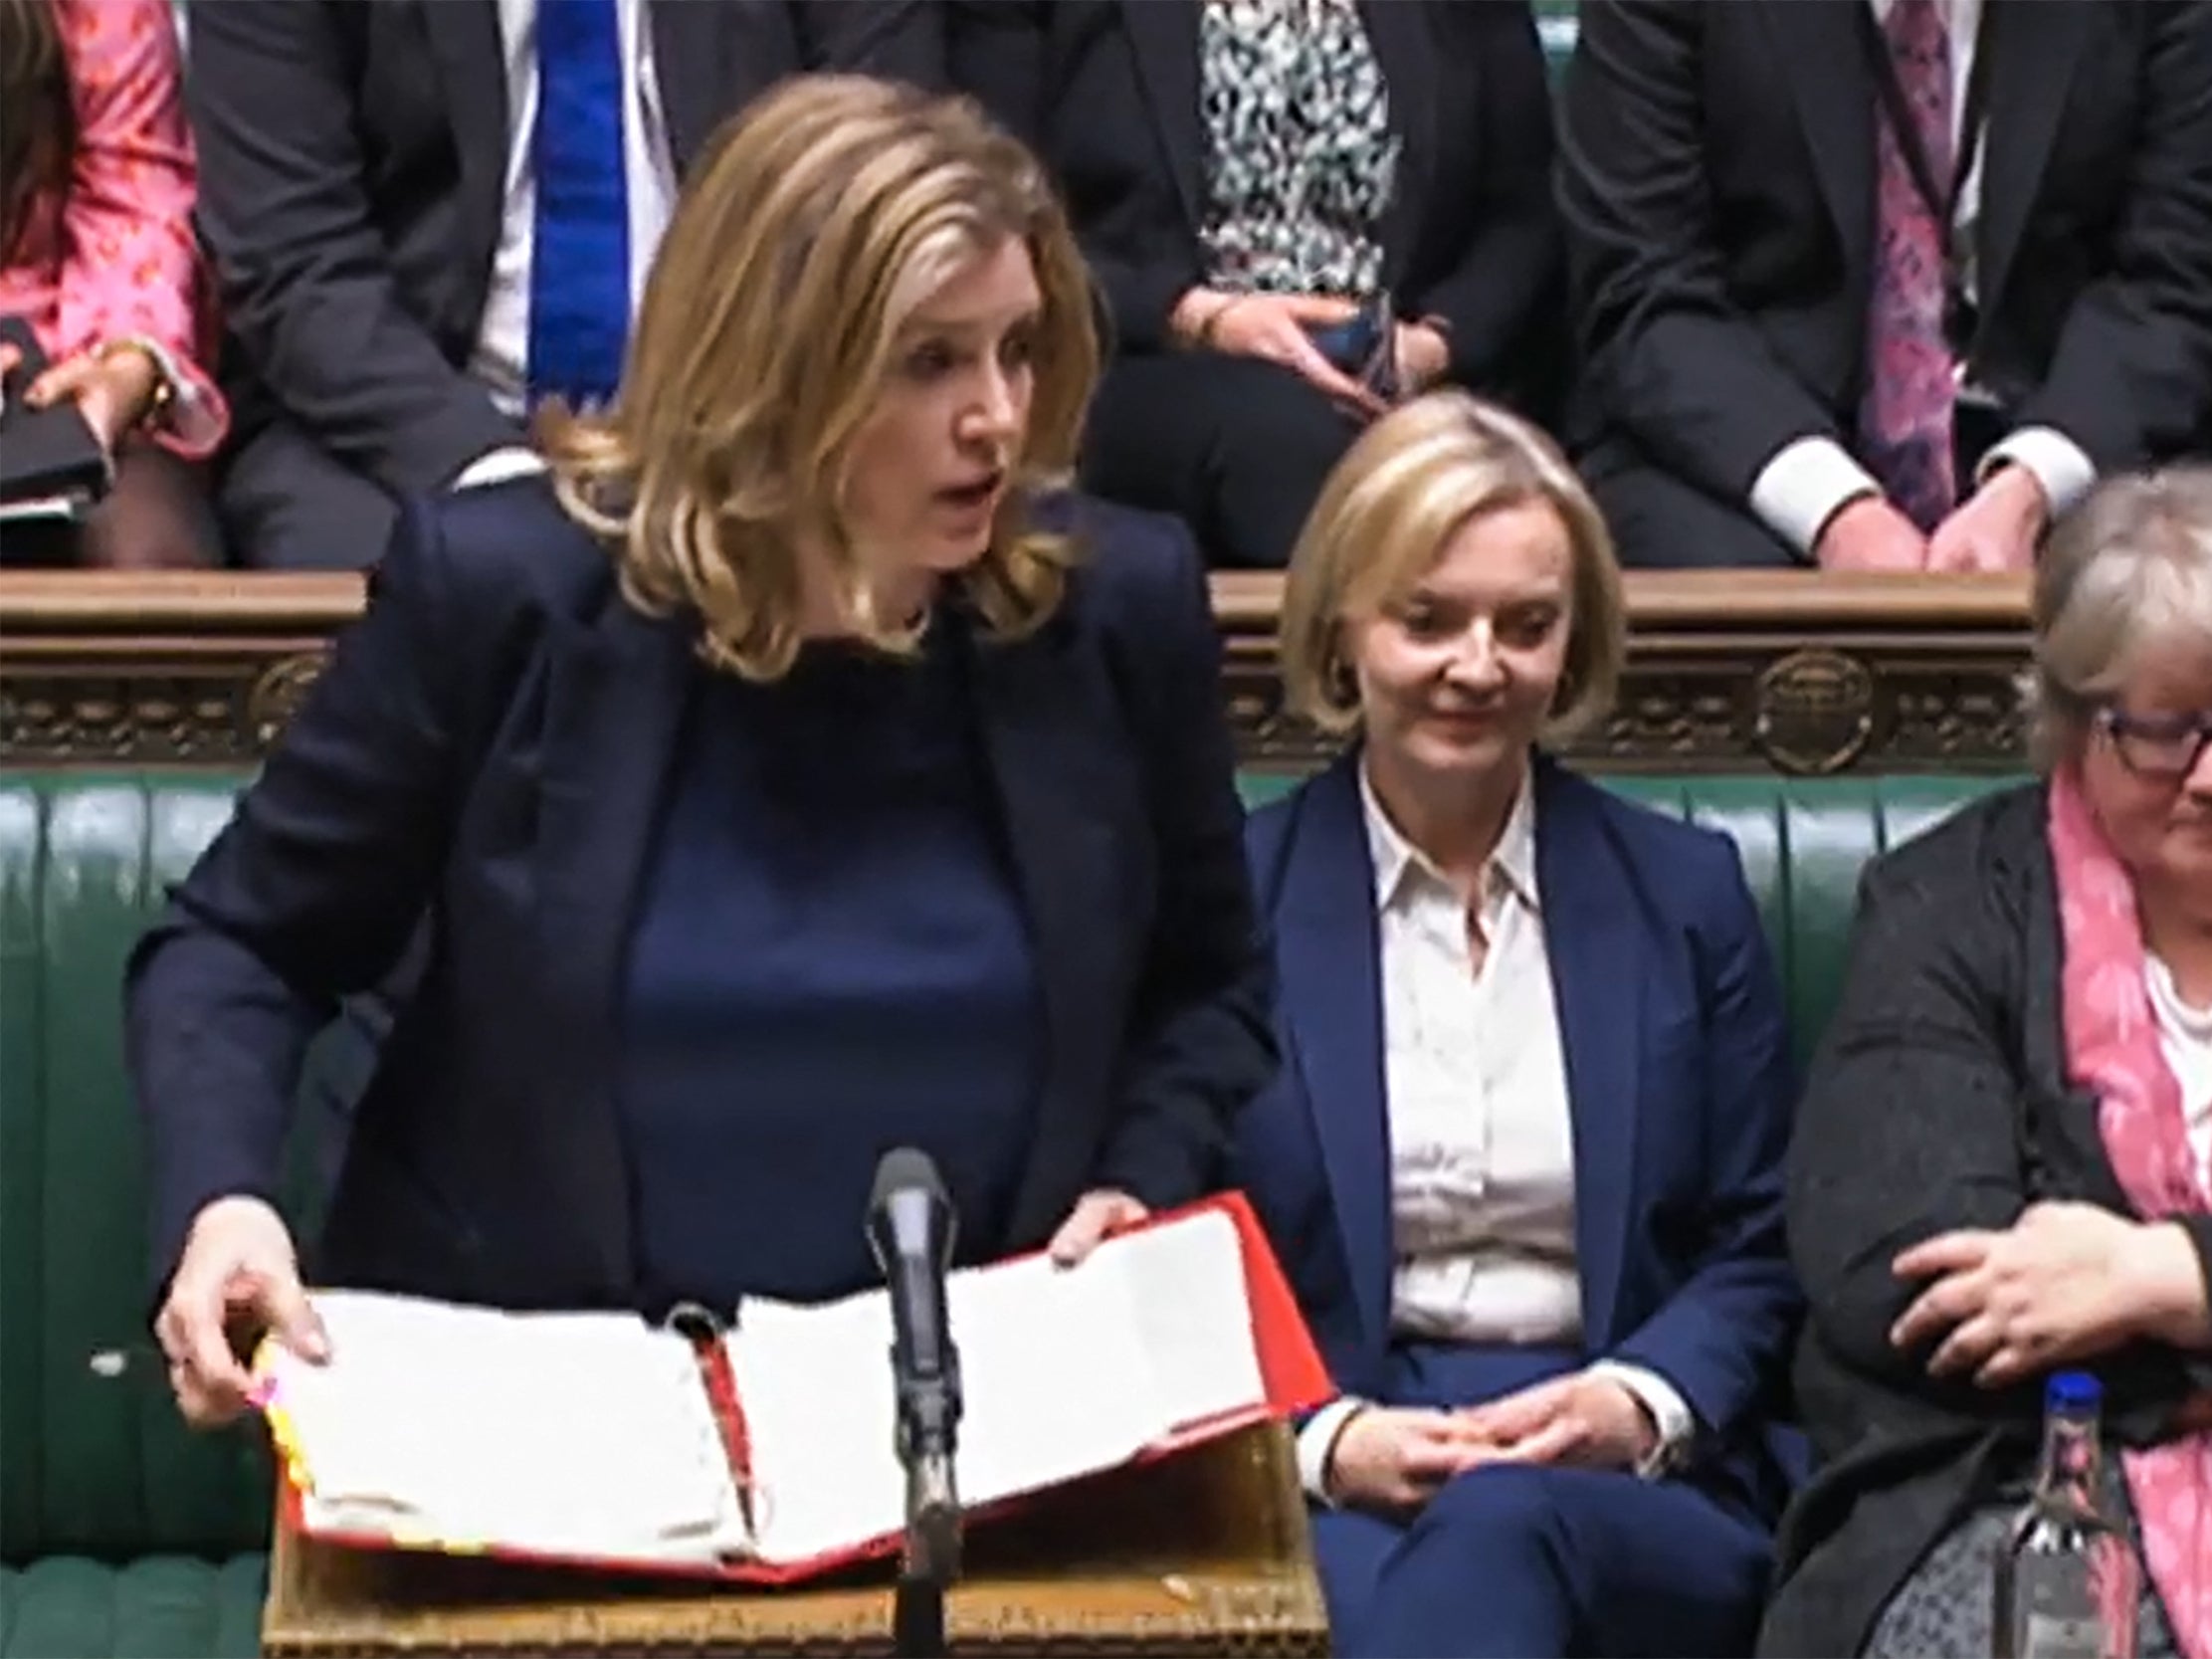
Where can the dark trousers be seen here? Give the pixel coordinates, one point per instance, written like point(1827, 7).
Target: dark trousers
point(288, 505)
point(1661, 522)
point(1530, 1562)
point(1234, 447)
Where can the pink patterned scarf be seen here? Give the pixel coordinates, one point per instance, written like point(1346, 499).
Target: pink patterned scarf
point(2113, 1048)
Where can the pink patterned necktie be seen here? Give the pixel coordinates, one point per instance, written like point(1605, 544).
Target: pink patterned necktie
point(1904, 420)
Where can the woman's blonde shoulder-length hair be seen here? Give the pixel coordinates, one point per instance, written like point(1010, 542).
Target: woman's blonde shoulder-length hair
point(1385, 515)
point(812, 227)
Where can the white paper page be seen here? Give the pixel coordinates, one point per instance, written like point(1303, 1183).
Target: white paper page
point(62, 507)
point(1054, 1383)
point(1186, 1283)
point(568, 1433)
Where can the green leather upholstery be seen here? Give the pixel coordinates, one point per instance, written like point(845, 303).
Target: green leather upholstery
point(1803, 843)
point(161, 1606)
point(120, 1533)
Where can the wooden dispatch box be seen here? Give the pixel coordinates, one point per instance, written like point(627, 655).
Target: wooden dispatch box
point(1205, 1553)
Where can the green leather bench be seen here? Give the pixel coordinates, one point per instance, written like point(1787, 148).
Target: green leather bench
point(120, 1533)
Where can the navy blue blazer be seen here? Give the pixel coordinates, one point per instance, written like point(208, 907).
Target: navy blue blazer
point(488, 749)
point(1678, 1081)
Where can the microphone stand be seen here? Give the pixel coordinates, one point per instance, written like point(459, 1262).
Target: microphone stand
point(931, 1558)
point(910, 1226)
point(917, 1618)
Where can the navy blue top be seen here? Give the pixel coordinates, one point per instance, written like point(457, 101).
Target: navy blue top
point(830, 960)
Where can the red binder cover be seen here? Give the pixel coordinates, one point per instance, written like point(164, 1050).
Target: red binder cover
point(1292, 1373)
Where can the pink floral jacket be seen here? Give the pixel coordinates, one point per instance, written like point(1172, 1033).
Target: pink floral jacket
point(116, 255)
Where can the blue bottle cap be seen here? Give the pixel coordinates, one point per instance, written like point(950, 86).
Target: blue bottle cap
point(2073, 1391)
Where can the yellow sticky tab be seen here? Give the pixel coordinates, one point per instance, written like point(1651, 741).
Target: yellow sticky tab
point(262, 1364)
point(284, 1432)
point(406, 1536)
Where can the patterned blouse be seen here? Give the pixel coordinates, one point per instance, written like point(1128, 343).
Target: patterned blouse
point(1300, 158)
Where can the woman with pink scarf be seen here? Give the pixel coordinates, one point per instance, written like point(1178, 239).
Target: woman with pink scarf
point(2000, 1166)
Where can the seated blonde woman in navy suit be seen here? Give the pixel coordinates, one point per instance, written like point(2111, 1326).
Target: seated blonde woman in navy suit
point(1523, 1158)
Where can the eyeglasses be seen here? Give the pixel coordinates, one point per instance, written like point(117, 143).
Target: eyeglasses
point(2156, 745)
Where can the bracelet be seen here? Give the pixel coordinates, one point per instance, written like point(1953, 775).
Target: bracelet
point(1328, 1452)
point(169, 383)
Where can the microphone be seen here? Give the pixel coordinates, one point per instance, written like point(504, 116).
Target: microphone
point(911, 1228)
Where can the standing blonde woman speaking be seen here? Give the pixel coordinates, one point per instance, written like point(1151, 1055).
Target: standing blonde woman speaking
point(789, 776)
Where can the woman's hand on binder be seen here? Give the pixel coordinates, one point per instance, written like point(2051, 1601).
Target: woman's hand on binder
point(239, 1275)
point(1098, 1216)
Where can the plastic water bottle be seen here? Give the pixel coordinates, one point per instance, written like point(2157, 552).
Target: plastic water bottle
point(2066, 1577)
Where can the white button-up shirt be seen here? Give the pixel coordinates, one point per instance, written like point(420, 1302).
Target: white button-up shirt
point(2185, 1039)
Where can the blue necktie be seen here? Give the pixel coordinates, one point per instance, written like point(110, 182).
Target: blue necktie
point(580, 256)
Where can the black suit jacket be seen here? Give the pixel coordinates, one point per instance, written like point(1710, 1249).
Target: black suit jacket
point(352, 174)
point(489, 744)
point(1717, 180)
point(1939, 1098)
point(1112, 104)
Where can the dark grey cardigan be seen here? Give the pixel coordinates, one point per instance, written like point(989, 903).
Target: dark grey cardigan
point(1938, 1100)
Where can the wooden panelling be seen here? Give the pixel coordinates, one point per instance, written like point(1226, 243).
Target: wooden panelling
point(1740, 671)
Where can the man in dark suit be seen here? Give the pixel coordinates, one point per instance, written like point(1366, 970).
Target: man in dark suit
point(369, 190)
point(1882, 284)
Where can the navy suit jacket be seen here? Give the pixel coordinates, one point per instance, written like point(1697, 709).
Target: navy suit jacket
point(1677, 1079)
point(489, 746)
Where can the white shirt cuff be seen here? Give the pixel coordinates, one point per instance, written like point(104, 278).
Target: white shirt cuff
point(1317, 1439)
point(2056, 460)
point(1800, 489)
point(496, 466)
point(1663, 1400)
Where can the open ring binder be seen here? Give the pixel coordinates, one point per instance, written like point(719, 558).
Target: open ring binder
point(602, 1440)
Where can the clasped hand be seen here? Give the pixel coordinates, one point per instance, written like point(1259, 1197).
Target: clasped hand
point(1995, 528)
point(1392, 1457)
point(1274, 329)
point(2065, 1281)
